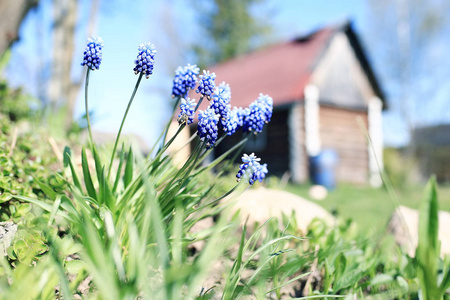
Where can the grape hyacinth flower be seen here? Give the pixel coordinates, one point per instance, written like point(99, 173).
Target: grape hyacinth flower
point(259, 113)
point(93, 53)
point(207, 127)
point(220, 103)
point(255, 118)
point(232, 122)
point(187, 111)
point(259, 173)
point(225, 90)
point(241, 114)
point(206, 84)
point(267, 103)
point(185, 79)
point(252, 169)
point(145, 59)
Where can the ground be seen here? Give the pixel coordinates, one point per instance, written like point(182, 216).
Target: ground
point(371, 208)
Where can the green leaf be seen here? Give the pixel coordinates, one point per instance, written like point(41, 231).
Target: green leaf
point(445, 284)
point(381, 279)
point(87, 175)
point(427, 252)
point(319, 297)
point(75, 179)
point(107, 196)
point(339, 265)
point(347, 279)
point(98, 164)
point(128, 176)
point(428, 220)
point(66, 156)
point(44, 206)
point(75, 266)
point(327, 276)
point(402, 283)
point(54, 210)
point(288, 282)
point(46, 189)
point(119, 170)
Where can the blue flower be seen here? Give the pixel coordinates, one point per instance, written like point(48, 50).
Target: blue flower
point(207, 127)
point(186, 115)
point(224, 90)
point(206, 84)
point(93, 53)
point(185, 79)
point(220, 103)
point(259, 173)
point(259, 113)
point(145, 59)
point(251, 168)
point(232, 122)
point(255, 118)
point(251, 159)
point(266, 103)
point(241, 114)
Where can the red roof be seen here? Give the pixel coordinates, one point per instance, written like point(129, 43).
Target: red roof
point(282, 71)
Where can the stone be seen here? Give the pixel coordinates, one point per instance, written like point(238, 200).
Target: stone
point(259, 205)
point(318, 192)
point(404, 225)
point(7, 232)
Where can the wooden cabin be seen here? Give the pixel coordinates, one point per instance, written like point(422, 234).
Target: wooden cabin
point(325, 96)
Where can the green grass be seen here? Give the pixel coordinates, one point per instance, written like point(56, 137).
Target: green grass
point(371, 208)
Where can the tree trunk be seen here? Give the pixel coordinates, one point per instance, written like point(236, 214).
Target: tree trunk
point(64, 14)
point(12, 12)
point(74, 87)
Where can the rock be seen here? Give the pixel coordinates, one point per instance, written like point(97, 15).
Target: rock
point(259, 205)
point(404, 225)
point(318, 192)
point(7, 232)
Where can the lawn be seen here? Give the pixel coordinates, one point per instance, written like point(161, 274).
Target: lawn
point(369, 207)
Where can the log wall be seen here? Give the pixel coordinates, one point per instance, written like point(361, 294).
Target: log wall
point(340, 131)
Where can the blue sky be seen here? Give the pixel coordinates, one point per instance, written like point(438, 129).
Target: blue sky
point(123, 27)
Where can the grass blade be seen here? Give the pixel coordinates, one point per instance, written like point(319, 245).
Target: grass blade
point(128, 176)
point(427, 252)
point(119, 170)
point(87, 175)
point(75, 179)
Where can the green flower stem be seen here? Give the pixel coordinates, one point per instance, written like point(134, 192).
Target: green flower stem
point(207, 151)
point(166, 130)
point(189, 141)
point(175, 184)
point(164, 148)
point(211, 165)
point(198, 104)
point(86, 85)
point(198, 148)
point(211, 203)
point(123, 121)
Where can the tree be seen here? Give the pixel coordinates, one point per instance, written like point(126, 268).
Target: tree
point(12, 12)
point(408, 37)
point(62, 90)
point(229, 30)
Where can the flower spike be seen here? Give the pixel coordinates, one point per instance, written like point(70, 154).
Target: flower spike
point(187, 111)
point(206, 84)
point(184, 80)
point(145, 59)
point(252, 169)
point(207, 127)
point(93, 53)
